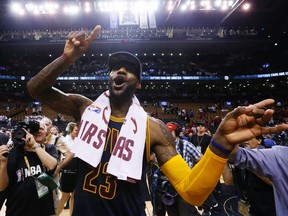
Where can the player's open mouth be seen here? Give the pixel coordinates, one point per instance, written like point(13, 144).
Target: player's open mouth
point(119, 81)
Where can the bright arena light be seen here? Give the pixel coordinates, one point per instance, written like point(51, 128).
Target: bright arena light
point(246, 6)
point(17, 8)
point(71, 9)
point(202, 5)
point(45, 7)
point(107, 6)
point(42, 8)
point(87, 7)
point(38, 7)
point(183, 7)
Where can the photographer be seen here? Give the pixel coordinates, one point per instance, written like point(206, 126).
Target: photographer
point(22, 171)
point(4, 138)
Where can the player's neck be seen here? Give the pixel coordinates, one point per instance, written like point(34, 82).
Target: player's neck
point(119, 110)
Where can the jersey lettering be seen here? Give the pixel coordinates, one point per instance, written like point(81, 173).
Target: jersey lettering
point(106, 189)
point(89, 133)
point(122, 148)
point(80, 127)
point(101, 137)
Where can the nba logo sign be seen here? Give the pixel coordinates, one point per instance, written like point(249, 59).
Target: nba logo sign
point(94, 108)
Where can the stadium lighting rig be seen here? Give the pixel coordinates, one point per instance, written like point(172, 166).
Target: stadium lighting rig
point(40, 7)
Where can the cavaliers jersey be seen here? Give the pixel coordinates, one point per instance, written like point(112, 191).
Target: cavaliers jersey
point(100, 193)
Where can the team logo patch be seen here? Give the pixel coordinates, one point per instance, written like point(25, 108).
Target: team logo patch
point(94, 108)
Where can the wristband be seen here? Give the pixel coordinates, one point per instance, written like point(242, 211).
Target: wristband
point(66, 59)
point(220, 148)
point(36, 145)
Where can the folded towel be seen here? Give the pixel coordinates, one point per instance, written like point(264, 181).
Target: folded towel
point(132, 133)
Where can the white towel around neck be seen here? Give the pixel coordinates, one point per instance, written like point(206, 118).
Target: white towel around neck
point(132, 133)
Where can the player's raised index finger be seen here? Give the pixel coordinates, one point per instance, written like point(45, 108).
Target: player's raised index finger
point(94, 33)
point(264, 103)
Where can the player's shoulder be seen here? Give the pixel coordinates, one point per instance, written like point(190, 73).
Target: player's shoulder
point(159, 132)
point(155, 121)
point(81, 102)
point(156, 124)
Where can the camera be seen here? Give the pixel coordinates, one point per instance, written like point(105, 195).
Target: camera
point(19, 133)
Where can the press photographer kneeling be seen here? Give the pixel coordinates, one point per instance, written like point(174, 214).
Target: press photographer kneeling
point(24, 172)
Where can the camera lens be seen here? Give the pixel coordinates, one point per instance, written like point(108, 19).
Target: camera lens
point(33, 126)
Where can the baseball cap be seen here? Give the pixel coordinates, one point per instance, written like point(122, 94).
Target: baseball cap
point(125, 59)
point(201, 124)
point(173, 126)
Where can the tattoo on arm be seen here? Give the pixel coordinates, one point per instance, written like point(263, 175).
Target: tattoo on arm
point(164, 131)
point(167, 149)
point(47, 76)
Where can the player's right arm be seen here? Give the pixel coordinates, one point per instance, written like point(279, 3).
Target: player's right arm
point(41, 87)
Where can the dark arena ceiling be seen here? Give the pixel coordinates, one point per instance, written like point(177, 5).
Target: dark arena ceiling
point(267, 16)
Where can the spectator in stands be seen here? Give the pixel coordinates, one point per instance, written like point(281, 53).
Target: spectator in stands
point(189, 136)
point(54, 130)
point(191, 155)
point(19, 175)
point(68, 169)
point(59, 118)
point(191, 113)
point(101, 187)
point(255, 192)
point(63, 152)
point(50, 138)
point(182, 136)
point(202, 140)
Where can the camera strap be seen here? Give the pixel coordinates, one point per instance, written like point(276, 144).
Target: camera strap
point(48, 138)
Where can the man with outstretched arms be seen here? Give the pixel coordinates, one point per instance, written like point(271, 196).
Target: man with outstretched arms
point(116, 136)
